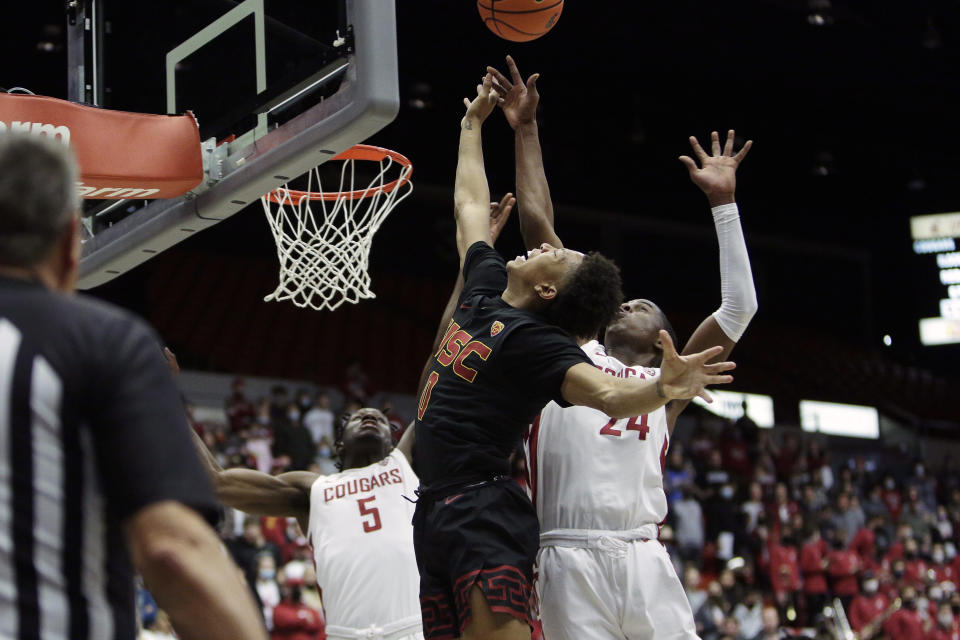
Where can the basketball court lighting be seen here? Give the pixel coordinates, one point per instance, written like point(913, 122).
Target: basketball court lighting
point(887, 340)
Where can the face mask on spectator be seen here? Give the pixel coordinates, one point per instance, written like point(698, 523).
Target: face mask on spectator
point(919, 471)
point(945, 619)
point(939, 556)
point(305, 401)
point(935, 594)
point(325, 451)
point(264, 420)
point(898, 573)
point(871, 586)
point(726, 493)
point(294, 415)
point(268, 574)
point(890, 484)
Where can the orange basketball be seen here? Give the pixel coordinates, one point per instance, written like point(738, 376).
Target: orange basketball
point(520, 20)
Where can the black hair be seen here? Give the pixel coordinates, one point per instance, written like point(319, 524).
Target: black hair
point(589, 298)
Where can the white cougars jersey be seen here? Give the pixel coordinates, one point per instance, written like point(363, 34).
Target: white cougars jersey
point(362, 537)
point(589, 471)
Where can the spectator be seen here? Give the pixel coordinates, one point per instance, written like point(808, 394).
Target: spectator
point(356, 383)
point(249, 546)
point(266, 587)
point(783, 508)
point(278, 403)
point(319, 422)
point(945, 627)
point(691, 585)
point(847, 518)
point(915, 567)
point(784, 569)
point(868, 606)
point(240, 412)
point(771, 625)
point(943, 525)
point(679, 475)
point(842, 566)
point(710, 616)
point(874, 506)
point(730, 629)
point(938, 564)
point(293, 619)
point(915, 513)
point(749, 613)
point(749, 429)
point(688, 528)
point(292, 440)
point(925, 485)
point(892, 498)
point(304, 401)
point(813, 564)
point(905, 623)
point(814, 499)
point(753, 508)
point(735, 453)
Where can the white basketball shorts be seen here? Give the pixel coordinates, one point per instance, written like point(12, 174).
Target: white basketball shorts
point(608, 588)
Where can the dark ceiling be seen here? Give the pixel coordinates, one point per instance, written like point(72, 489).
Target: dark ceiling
point(852, 105)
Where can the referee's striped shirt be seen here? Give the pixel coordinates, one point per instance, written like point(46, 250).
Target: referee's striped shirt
point(91, 431)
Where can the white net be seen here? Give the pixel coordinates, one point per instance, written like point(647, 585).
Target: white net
point(323, 241)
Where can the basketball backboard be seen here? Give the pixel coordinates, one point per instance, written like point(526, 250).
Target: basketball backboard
point(277, 87)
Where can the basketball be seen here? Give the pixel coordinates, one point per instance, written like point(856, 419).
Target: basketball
point(520, 20)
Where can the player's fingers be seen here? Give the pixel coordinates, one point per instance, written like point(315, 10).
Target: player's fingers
point(705, 396)
point(743, 152)
point(689, 164)
point(697, 149)
point(728, 147)
point(715, 143)
point(505, 200)
point(705, 355)
point(499, 77)
point(466, 102)
point(719, 379)
point(514, 72)
point(532, 81)
point(719, 367)
point(500, 88)
point(669, 350)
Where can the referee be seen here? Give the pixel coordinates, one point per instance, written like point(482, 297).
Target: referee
point(98, 475)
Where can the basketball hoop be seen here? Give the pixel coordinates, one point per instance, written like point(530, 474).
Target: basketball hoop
point(324, 237)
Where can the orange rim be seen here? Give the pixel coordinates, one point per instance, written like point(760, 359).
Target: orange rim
point(357, 152)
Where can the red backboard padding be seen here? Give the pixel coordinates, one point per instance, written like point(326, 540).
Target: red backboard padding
point(121, 154)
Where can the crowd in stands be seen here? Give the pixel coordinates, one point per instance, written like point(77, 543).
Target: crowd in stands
point(765, 528)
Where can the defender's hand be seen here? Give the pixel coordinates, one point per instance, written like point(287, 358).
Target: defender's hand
point(717, 174)
point(481, 106)
point(684, 377)
point(499, 214)
point(520, 99)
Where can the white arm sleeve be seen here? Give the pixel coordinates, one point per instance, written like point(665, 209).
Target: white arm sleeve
point(738, 295)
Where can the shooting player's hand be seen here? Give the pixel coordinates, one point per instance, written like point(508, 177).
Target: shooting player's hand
point(684, 377)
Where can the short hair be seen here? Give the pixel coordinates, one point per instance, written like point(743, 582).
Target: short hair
point(38, 196)
point(588, 298)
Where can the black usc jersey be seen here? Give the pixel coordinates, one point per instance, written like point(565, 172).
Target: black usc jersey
point(496, 368)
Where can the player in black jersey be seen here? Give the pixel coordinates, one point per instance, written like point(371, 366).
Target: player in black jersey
point(507, 351)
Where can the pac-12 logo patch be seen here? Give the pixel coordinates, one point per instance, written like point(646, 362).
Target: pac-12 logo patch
point(496, 328)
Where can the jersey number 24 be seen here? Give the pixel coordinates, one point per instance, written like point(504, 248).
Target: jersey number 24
point(636, 423)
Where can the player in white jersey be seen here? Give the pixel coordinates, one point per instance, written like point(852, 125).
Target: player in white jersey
point(597, 482)
point(358, 522)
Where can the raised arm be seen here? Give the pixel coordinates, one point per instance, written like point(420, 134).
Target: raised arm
point(716, 176)
point(520, 100)
point(256, 493)
point(682, 377)
point(471, 195)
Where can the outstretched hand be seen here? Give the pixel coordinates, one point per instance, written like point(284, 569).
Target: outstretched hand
point(499, 214)
point(717, 174)
point(684, 377)
point(481, 106)
point(520, 99)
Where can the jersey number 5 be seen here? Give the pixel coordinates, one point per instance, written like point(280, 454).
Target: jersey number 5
point(636, 423)
point(365, 511)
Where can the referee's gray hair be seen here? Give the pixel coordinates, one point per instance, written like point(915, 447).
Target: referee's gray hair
point(38, 196)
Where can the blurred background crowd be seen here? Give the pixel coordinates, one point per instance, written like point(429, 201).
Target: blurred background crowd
point(768, 528)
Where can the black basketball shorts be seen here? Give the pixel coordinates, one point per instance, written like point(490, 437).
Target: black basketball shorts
point(484, 534)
